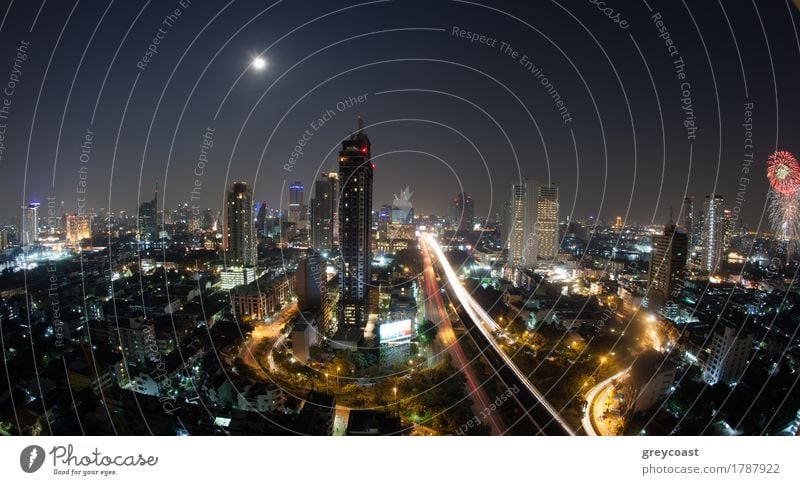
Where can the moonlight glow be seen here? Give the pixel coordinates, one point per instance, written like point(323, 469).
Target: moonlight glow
point(259, 63)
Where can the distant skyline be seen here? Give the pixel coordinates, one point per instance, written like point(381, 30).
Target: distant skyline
point(439, 108)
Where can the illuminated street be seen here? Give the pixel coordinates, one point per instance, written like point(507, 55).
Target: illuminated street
point(597, 401)
point(269, 331)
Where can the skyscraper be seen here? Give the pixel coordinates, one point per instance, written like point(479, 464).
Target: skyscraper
point(667, 262)
point(505, 222)
point(261, 219)
point(355, 225)
point(296, 203)
point(516, 229)
point(462, 212)
point(547, 221)
point(688, 221)
point(77, 227)
point(713, 231)
point(239, 238)
point(323, 207)
point(29, 230)
point(148, 219)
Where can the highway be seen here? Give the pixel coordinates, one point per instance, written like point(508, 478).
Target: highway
point(272, 330)
point(592, 421)
point(446, 338)
point(473, 315)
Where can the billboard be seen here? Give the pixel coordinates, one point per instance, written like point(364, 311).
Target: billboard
point(391, 331)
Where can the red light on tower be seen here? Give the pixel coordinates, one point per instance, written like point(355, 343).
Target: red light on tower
point(364, 150)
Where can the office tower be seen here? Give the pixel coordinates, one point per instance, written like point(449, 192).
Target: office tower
point(385, 214)
point(29, 229)
point(688, 221)
point(667, 262)
point(312, 291)
point(728, 355)
point(261, 219)
point(148, 219)
point(355, 227)
point(505, 223)
point(322, 213)
point(239, 240)
point(462, 212)
point(517, 226)
point(296, 203)
point(730, 228)
point(713, 232)
point(547, 221)
point(77, 227)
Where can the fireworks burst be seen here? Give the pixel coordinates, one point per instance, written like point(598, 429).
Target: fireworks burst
point(783, 173)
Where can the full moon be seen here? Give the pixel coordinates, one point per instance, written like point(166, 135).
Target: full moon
point(259, 63)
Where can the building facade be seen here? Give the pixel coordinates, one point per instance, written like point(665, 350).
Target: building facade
point(239, 237)
point(713, 233)
point(355, 227)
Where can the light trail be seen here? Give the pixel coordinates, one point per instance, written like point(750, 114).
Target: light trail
point(487, 325)
point(591, 398)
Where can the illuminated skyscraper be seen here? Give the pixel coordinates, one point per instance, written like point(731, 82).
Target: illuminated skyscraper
point(713, 231)
point(296, 203)
point(517, 225)
point(547, 221)
point(29, 229)
point(239, 240)
point(462, 212)
point(355, 226)
point(688, 221)
point(323, 208)
point(77, 226)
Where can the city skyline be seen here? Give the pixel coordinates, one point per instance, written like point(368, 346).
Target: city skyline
point(401, 218)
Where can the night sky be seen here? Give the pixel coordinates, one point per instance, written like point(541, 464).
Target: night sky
point(444, 115)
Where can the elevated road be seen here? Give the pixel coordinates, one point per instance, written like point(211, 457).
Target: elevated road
point(544, 415)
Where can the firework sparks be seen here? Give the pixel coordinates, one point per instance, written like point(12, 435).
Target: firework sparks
point(783, 173)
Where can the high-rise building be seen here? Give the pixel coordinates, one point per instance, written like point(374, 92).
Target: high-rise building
point(77, 226)
point(312, 291)
point(239, 240)
point(355, 227)
point(462, 212)
point(261, 219)
point(730, 228)
point(688, 221)
point(148, 219)
point(713, 232)
point(618, 223)
point(323, 207)
point(505, 222)
point(296, 203)
point(727, 359)
point(547, 221)
point(29, 228)
point(517, 225)
point(667, 262)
